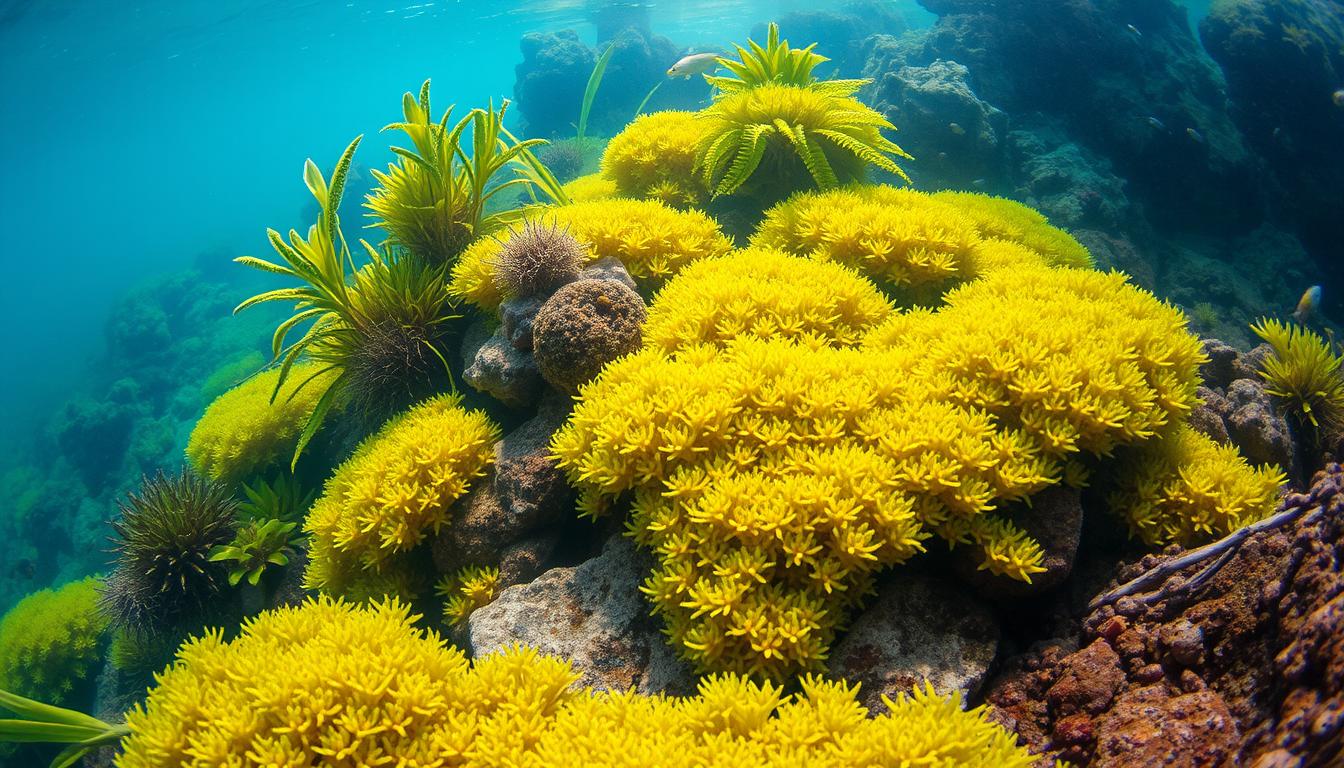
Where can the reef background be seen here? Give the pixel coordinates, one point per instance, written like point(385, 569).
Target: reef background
point(154, 141)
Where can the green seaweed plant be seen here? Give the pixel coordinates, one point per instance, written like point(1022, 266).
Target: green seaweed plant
point(284, 500)
point(434, 200)
point(377, 326)
point(590, 91)
point(257, 546)
point(777, 63)
point(46, 724)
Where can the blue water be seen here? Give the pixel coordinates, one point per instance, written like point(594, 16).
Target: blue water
point(140, 135)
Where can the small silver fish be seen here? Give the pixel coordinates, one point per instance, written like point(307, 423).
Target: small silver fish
point(956, 129)
point(979, 183)
point(1194, 135)
point(1338, 98)
point(1154, 122)
point(1134, 29)
point(1308, 304)
point(694, 64)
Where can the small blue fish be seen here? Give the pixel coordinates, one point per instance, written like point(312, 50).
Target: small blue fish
point(1338, 97)
point(1194, 135)
point(1308, 304)
point(1134, 29)
point(1154, 122)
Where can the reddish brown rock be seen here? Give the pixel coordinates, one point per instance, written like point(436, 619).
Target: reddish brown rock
point(1150, 726)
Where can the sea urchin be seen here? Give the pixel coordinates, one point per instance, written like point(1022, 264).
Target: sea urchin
point(536, 259)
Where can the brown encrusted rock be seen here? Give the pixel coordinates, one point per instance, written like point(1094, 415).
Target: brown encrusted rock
point(592, 615)
point(516, 316)
point(582, 327)
point(1055, 519)
point(917, 629)
point(1089, 682)
point(1257, 428)
point(608, 268)
point(493, 366)
point(1150, 726)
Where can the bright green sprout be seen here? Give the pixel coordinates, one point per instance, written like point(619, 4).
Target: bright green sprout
point(776, 63)
point(283, 500)
point(257, 545)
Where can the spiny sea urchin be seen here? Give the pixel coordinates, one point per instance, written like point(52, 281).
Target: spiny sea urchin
point(162, 543)
point(537, 258)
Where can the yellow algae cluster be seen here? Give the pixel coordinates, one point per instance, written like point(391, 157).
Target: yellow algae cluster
point(773, 479)
point(465, 591)
point(593, 186)
point(52, 640)
point(911, 240)
point(653, 158)
point(764, 293)
point(244, 431)
point(331, 684)
point(1187, 486)
point(652, 240)
point(394, 491)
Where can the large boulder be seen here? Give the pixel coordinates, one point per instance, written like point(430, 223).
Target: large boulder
point(592, 615)
point(918, 630)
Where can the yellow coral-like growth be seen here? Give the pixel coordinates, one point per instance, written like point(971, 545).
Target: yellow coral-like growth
point(1187, 487)
point(1003, 219)
point(773, 479)
point(651, 239)
point(51, 641)
point(768, 294)
point(243, 431)
point(330, 684)
point(654, 158)
point(914, 240)
point(394, 491)
point(465, 591)
point(586, 189)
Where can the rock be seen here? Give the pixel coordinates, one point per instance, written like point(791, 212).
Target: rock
point(956, 136)
point(582, 327)
point(1210, 416)
point(1055, 519)
point(917, 629)
point(516, 317)
point(1182, 642)
point(1222, 367)
point(496, 367)
point(1257, 427)
point(531, 488)
point(525, 560)
point(594, 616)
point(608, 268)
point(549, 82)
point(1080, 63)
point(1183, 679)
point(839, 34)
point(1283, 60)
point(1089, 682)
point(1150, 726)
point(1071, 184)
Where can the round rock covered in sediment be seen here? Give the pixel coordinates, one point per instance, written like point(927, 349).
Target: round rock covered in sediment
point(582, 327)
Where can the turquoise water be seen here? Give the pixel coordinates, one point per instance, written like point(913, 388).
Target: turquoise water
point(158, 131)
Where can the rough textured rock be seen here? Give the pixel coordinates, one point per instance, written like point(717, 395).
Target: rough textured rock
point(1283, 60)
point(516, 317)
point(1237, 409)
point(582, 327)
point(523, 494)
point(608, 268)
point(593, 615)
point(1069, 183)
point(957, 138)
point(918, 628)
point(496, 367)
point(549, 81)
point(1150, 726)
point(1055, 519)
point(1248, 670)
point(840, 34)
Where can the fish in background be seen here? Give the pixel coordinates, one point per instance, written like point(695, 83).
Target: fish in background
point(1308, 306)
point(694, 64)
